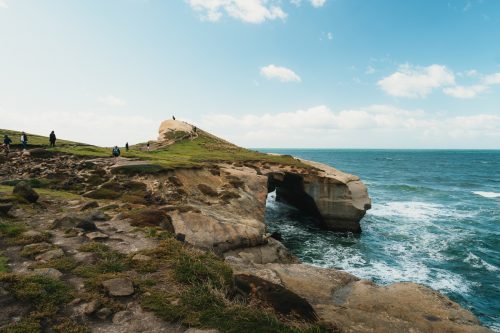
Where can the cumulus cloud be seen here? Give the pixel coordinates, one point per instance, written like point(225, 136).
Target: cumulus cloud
point(375, 126)
point(465, 92)
point(317, 3)
point(113, 101)
point(251, 11)
point(283, 74)
point(411, 81)
point(492, 79)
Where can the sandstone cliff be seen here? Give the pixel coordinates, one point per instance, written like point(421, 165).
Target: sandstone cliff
point(128, 247)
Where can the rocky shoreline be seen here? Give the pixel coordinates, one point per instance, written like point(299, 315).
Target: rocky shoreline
point(92, 211)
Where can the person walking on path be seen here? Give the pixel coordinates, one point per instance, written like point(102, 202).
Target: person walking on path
point(24, 140)
point(126, 146)
point(116, 153)
point(52, 139)
point(6, 144)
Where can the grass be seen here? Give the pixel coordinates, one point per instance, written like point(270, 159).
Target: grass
point(46, 192)
point(108, 261)
point(33, 139)
point(203, 150)
point(46, 295)
point(203, 295)
point(3, 264)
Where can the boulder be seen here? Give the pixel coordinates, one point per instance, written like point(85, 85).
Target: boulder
point(150, 217)
point(24, 190)
point(282, 300)
point(49, 272)
point(89, 205)
point(119, 287)
point(49, 255)
point(41, 153)
point(5, 208)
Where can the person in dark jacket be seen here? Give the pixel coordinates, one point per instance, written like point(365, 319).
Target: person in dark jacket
point(6, 144)
point(52, 139)
point(126, 146)
point(116, 153)
point(24, 140)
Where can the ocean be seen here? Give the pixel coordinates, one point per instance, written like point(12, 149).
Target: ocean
point(435, 220)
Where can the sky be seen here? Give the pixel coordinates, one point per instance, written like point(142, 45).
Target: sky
point(260, 73)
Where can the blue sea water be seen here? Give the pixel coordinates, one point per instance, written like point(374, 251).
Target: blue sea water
point(435, 220)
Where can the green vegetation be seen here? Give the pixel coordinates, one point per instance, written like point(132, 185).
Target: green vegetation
point(33, 139)
point(204, 149)
point(46, 295)
point(43, 192)
point(108, 261)
point(203, 298)
point(11, 230)
point(3, 264)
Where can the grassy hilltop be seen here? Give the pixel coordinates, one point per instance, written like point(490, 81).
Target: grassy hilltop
point(195, 152)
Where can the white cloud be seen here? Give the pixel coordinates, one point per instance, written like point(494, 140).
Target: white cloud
point(376, 126)
point(317, 3)
point(411, 81)
point(329, 35)
point(3, 4)
point(282, 74)
point(113, 101)
point(465, 92)
point(492, 79)
point(251, 11)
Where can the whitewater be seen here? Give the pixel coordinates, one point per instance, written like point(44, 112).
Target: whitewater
point(435, 220)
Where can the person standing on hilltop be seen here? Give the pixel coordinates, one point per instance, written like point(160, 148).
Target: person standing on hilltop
point(6, 144)
point(52, 139)
point(173, 117)
point(126, 146)
point(24, 140)
point(116, 153)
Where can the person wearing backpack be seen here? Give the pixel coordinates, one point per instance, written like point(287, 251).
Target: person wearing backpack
point(6, 144)
point(24, 140)
point(52, 139)
point(116, 153)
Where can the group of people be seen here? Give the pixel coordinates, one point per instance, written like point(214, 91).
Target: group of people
point(7, 141)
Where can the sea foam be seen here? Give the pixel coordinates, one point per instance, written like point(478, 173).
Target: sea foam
point(487, 194)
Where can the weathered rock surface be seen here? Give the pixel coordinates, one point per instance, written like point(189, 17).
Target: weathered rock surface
point(355, 305)
point(24, 190)
point(119, 287)
point(338, 199)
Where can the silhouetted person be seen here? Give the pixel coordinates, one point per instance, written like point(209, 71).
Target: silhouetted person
point(116, 153)
point(173, 117)
point(52, 139)
point(6, 144)
point(195, 129)
point(24, 140)
point(126, 146)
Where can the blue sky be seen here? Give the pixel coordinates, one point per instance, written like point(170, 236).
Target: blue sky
point(262, 73)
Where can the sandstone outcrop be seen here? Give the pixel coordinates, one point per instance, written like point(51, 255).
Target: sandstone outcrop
point(339, 200)
point(353, 305)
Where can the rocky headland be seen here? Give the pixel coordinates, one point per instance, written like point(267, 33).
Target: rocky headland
point(175, 240)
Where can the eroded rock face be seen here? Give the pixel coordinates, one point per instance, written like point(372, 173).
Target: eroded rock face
point(354, 305)
point(217, 221)
point(338, 199)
